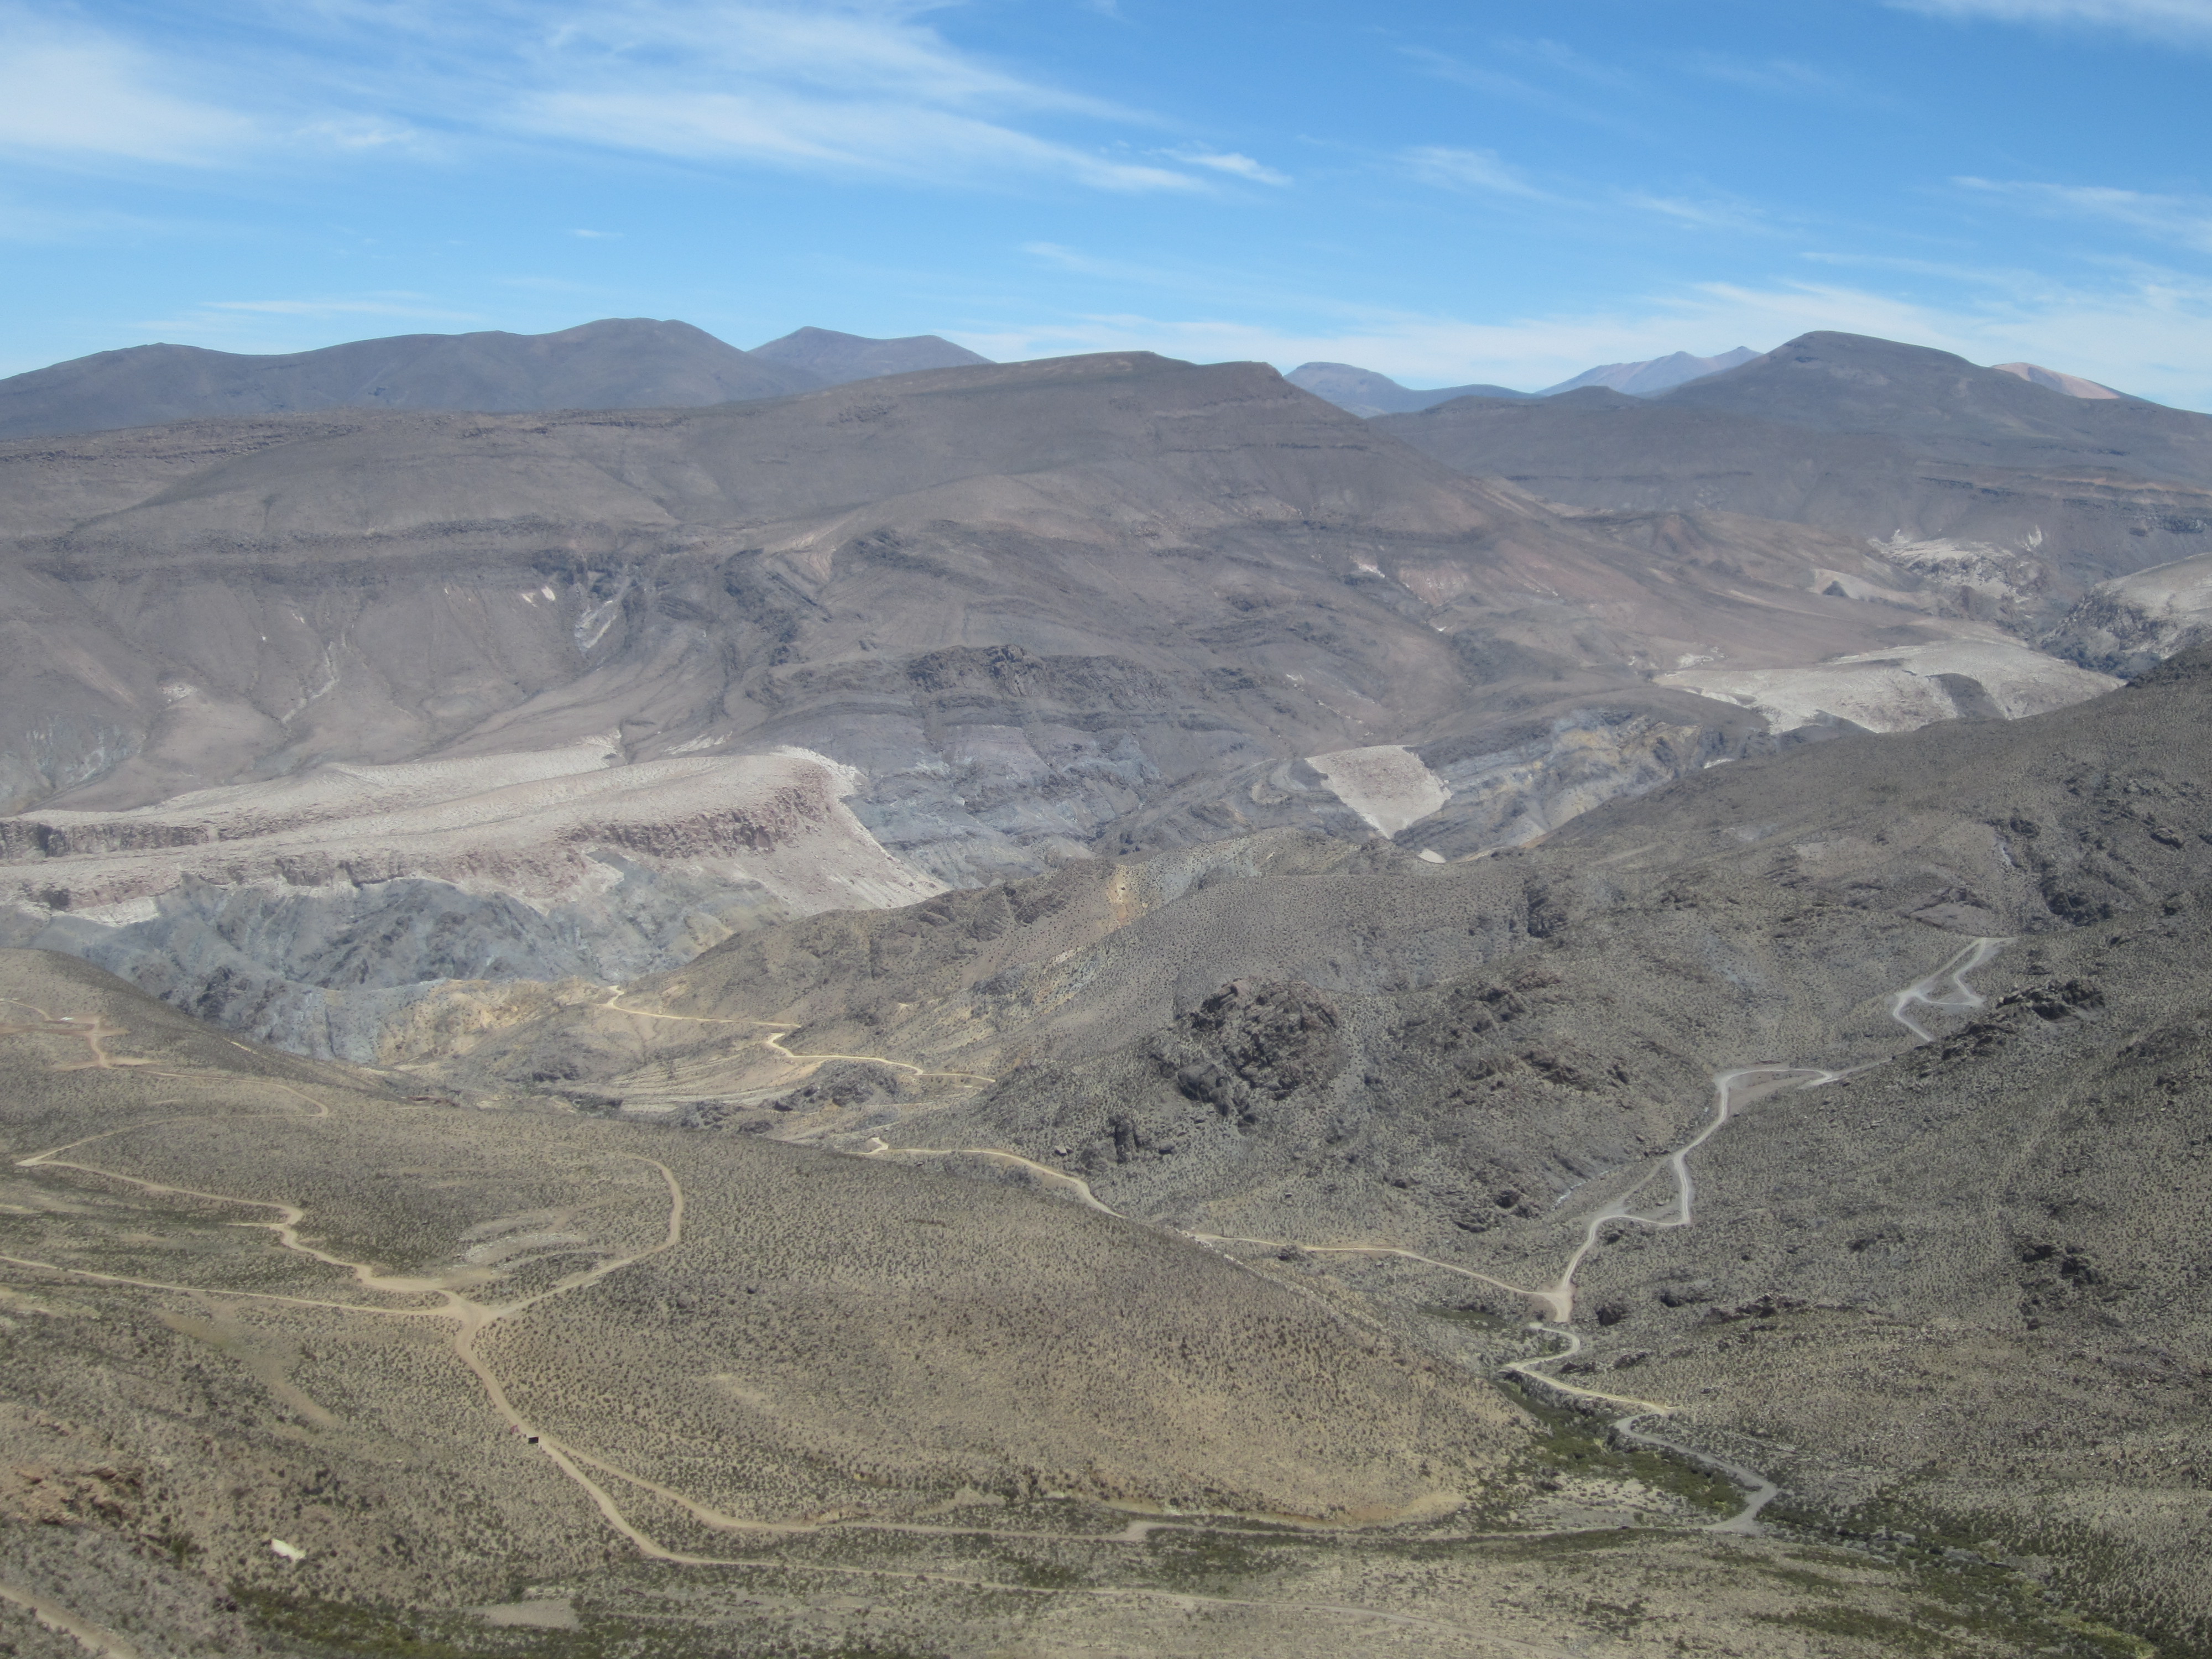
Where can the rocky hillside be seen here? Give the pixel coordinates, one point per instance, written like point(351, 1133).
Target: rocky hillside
point(1922, 1015)
point(1763, 1215)
point(2009, 497)
point(275, 683)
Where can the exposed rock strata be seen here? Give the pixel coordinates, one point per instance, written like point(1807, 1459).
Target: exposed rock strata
point(1025, 614)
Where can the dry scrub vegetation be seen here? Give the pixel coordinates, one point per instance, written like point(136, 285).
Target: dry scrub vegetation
point(642, 1388)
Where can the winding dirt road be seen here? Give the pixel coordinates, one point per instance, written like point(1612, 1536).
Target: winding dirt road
point(472, 1317)
point(774, 1041)
point(1945, 990)
point(95, 1639)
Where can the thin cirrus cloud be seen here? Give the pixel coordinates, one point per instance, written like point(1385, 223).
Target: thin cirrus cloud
point(846, 48)
point(1231, 163)
point(2177, 20)
point(1492, 83)
point(1781, 76)
point(860, 88)
point(2185, 221)
point(1485, 172)
point(1481, 171)
point(1694, 214)
point(73, 92)
point(846, 87)
point(783, 129)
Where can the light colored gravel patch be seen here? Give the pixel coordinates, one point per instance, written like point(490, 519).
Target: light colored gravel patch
point(1387, 784)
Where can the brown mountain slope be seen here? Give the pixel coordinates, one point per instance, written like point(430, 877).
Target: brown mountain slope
point(1948, 1287)
point(713, 666)
point(297, 1366)
point(617, 363)
point(2010, 497)
point(833, 358)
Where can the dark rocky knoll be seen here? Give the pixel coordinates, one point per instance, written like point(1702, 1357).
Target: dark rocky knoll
point(1958, 1295)
point(1872, 438)
point(1036, 611)
point(834, 359)
point(617, 363)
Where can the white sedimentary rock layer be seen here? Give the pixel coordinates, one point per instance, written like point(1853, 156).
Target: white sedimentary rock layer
point(2132, 620)
point(1387, 784)
point(1898, 690)
point(526, 825)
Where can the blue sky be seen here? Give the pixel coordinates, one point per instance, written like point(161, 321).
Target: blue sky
point(1449, 192)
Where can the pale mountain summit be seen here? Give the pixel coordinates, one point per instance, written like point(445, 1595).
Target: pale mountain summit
point(1363, 391)
point(1654, 376)
point(2072, 385)
point(833, 358)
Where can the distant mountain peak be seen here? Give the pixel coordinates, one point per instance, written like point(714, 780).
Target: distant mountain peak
point(614, 362)
point(1654, 374)
point(2072, 385)
point(835, 358)
point(1363, 391)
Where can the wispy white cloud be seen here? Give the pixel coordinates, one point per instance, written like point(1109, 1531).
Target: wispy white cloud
point(1485, 172)
point(865, 87)
point(1558, 56)
point(913, 143)
point(1231, 163)
point(67, 90)
point(38, 224)
point(1698, 212)
point(2011, 279)
point(2186, 221)
point(1061, 257)
point(1781, 76)
point(860, 87)
point(847, 48)
point(366, 132)
point(1513, 89)
point(2158, 19)
point(1479, 170)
